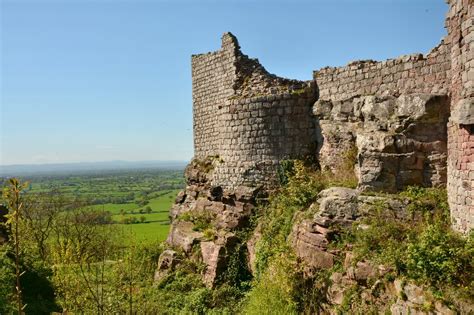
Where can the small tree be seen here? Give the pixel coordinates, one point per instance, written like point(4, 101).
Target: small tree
point(39, 215)
point(148, 209)
point(142, 219)
point(12, 195)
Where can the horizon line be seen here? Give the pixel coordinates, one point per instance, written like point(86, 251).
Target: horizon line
point(93, 162)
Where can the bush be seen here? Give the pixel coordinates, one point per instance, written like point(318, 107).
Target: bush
point(423, 248)
point(428, 204)
point(202, 220)
point(7, 282)
point(439, 257)
point(285, 171)
point(275, 291)
point(183, 292)
point(277, 218)
point(382, 240)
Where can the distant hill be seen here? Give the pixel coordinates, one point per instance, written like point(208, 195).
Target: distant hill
point(46, 169)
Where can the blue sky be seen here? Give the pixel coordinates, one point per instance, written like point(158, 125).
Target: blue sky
point(111, 80)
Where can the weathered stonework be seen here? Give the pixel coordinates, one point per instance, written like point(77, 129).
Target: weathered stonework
point(400, 141)
point(251, 120)
point(460, 183)
point(247, 117)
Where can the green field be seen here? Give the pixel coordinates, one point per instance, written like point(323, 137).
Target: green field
point(138, 200)
point(156, 223)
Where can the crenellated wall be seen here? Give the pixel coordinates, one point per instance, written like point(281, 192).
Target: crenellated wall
point(410, 118)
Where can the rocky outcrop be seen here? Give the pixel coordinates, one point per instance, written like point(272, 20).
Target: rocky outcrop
point(205, 219)
point(182, 235)
point(370, 286)
point(215, 255)
point(336, 208)
point(364, 284)
point(166, 263)
point(400, 140)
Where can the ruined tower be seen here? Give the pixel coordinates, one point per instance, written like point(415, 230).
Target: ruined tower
point(247, 118)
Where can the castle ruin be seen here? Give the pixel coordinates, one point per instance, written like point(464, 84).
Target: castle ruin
point(411, 119)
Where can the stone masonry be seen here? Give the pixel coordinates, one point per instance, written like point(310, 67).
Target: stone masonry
point(460, 26)
point(411, 119)
point(248, 118)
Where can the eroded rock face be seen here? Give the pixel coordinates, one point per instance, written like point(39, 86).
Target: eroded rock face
point(215, 256)
point(400, 141)
point(205, 217)
point(166, 263)
point(252, 249)
point(311, 246)
point(336, 208)
point(183, 236)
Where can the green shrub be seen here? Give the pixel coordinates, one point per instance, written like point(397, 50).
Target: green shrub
point(423, 247)
point(382, 240)
point(279, 287)
point(440, 257)
point(344, 173)
point(183, 292)
point(277, 218)
point(285, 170)
point(427, 204)
point(275, 291)
point(237, 273)
point(7, 282)
point(202, 220)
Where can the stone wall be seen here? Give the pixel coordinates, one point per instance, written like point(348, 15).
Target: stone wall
point(383, 109)
point(447, 70)
point(400, 141)
point(258, 132)
point(213, 79)
point(394, 112)
point(414, 73)
point(248, 118)
point(460, 25)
